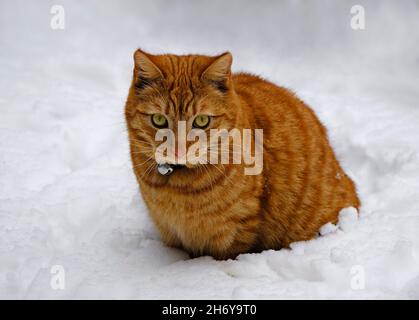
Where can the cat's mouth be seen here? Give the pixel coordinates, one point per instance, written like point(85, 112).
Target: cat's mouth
point(166, 169)
point(179, 166)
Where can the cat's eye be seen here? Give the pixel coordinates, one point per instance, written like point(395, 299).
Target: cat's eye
point(201, 121)
point(159, 120)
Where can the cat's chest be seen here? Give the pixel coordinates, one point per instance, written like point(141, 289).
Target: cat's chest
point(188, 218)
point(186, 211)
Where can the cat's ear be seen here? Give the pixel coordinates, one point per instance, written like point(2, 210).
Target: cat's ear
point(145, 71)
point(218, 72)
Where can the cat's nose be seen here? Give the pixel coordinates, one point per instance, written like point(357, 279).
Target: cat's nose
point(179, 154)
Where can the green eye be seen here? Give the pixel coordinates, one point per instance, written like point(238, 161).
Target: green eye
point(201, 121)
point(159, 120)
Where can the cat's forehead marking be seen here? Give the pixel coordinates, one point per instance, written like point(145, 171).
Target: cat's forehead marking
point(182, 85)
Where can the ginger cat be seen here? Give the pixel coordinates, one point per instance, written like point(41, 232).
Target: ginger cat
point(217, 210)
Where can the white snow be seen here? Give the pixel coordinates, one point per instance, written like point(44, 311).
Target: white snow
point(348, 218)
point(68, 196)
point(328, 228)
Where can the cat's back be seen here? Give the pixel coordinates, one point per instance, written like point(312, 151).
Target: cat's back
point(249, 85)
point(305, 185)
point(282, 115)
point(264, 97)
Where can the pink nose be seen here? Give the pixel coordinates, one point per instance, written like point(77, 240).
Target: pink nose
point(179, 153)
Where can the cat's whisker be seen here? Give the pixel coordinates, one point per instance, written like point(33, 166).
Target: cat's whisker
point(223, 173)
point(209, 176)
point(149, 169)
point(140, 164)
point(138, 142)
point(142, 150)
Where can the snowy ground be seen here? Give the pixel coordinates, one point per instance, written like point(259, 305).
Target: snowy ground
point(68, 195)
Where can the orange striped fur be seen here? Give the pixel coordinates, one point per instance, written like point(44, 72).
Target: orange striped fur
point(215, 209)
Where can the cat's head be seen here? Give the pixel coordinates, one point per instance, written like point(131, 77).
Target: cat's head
point(195, 89)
